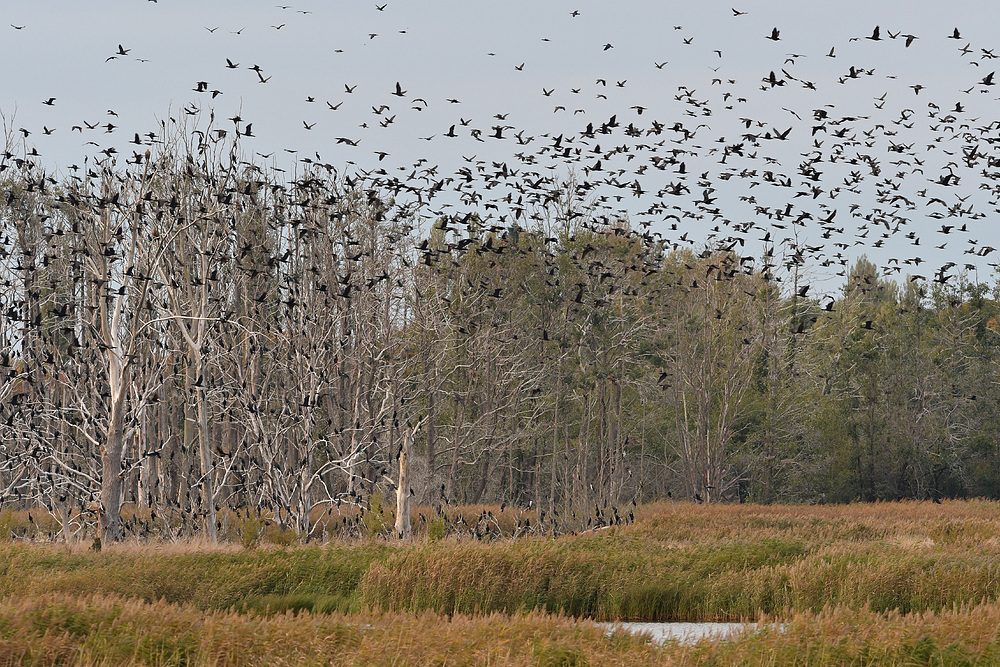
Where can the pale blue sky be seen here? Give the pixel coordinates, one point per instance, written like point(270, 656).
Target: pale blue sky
point(444, 53)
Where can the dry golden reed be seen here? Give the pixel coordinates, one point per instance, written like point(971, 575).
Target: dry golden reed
point(61, 630)
point(100, 630)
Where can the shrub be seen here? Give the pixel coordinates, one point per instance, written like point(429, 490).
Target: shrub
point(250, 528)
point(436, 529)
point(376, 520)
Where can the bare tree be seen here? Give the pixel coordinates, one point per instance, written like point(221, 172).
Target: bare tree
point(403, 490)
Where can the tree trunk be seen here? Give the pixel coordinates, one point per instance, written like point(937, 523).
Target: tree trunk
point(457, 442)
point(109, 513)
point(484, 470)
point(204, 449)
point(148, 466)
point(404, 529)
point(431, 443)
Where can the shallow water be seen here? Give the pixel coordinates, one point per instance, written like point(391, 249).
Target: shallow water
point(686, 633)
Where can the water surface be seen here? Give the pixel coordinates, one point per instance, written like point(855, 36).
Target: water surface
point(686, 633)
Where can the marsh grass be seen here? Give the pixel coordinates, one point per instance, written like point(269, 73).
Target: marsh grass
point(265, 580)
point(680, 562)
point(56, 629)
point(60, 630)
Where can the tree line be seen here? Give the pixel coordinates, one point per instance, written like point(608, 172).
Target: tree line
point(190, 331)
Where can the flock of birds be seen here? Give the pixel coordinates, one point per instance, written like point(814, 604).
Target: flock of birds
point(705, 166)
point(486, 525)
point(700, 167)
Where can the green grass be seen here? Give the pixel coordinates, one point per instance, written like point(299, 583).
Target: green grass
point(320, 578)
point(606, 577)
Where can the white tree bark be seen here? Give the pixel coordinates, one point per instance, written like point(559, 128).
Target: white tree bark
point(404, 529)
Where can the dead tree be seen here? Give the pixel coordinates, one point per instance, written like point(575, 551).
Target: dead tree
point(403, 491)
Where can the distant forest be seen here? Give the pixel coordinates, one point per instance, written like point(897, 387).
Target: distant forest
point(191, 332)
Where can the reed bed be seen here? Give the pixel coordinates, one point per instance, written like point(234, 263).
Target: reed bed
point(689, 562)
point(679, 561)
point(100, 630)
point(208, 578)
point(62, 630)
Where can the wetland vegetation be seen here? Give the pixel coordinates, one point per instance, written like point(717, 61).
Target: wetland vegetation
point(883, 583)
